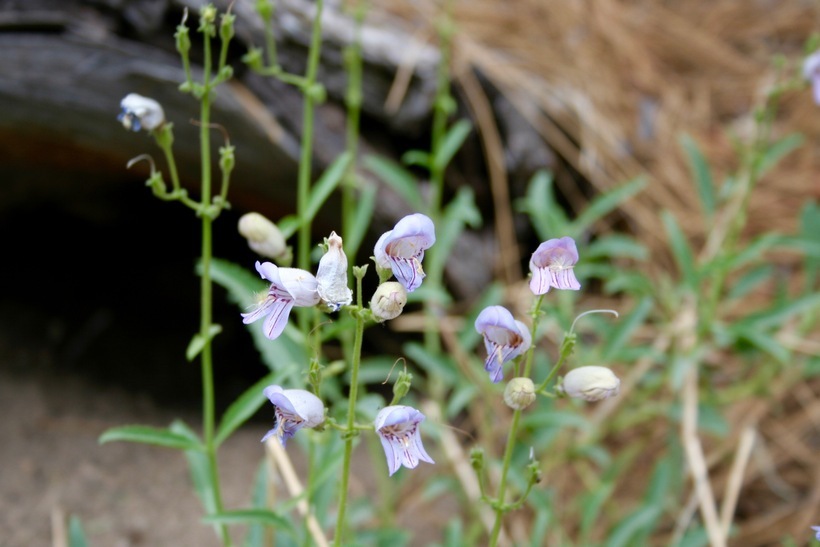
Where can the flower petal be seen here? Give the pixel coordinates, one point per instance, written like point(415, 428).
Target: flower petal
point(278, 318)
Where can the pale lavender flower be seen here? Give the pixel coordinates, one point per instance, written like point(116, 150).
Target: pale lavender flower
point(402, 249)
point(398, 429)
point(816, 531)
point(552, 266)
point(293, 410)
point(332, 275)
point(504, 337)
point(138, 112)
point(811, 72)
point(289, 287)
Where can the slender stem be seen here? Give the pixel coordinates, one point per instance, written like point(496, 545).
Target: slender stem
point(441, 111)
point(303, 184)
point(500, 509)
point(351, 415)
point(206, 293)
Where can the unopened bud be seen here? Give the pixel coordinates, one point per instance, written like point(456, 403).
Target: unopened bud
point(332, 275)
point(519, 393)
point(264, 238)
point(388, 301)
point(590, 383)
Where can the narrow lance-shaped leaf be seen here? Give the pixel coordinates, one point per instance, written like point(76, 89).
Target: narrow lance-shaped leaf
point(451, 142)
point(680, 249)
point(243, 408)
point(149, 435)
point(604, 204)
point(396, 177)
point(701, 174)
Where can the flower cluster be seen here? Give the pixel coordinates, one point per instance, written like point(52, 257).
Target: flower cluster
point(401, 251)
point(505, 338)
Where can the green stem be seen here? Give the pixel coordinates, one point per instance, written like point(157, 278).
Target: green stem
point(351, 415)
point(500, 509)
point(303, 184)
point(206, 293)
point(441, 111)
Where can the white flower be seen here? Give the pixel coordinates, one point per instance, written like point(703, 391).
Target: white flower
point(294, 409)
point(138, 112)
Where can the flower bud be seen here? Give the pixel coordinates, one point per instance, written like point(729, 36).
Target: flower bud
point(519, 393)
point(388, 301)
point(332, 275)
point(264, 238)
point(138, 112)
point(590, 383)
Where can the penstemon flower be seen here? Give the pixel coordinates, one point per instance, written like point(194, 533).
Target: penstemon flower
point(332, 275)
point(811, 72)
point(816, 531)
point(138, 112)
point(289, 287)
point(504, 338)
point(293, 409)
point(591, 383)
point(398, 429)
point(402, 249)
point(552, 266)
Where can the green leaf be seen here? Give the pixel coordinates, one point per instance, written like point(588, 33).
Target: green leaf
point(778, 314)
point(325, 185)
point(416, 157)
point(398, 178)
point(243, 408)
point(626, 530)
point(442, 366)
point(288, 225)
point(365, 205)
point(701, 174)
point(680, 250)
point(197, 343)
point(459, 212)
point(76, 534)
point(452, 141)
point(149, 435)
point(200, 467)
point(616, 246)
point(259, 498)
point(547, 217)
point(779, 150)
point(603, 205)
point(250, 516)
point(623, 329)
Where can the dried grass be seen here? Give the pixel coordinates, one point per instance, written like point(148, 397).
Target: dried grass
point(611, 85)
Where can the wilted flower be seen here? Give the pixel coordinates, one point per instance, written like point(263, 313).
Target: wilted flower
point(402, 249)
point(398, 429)
point(289, 287)
point(551, 266)
point(811, 72)
point(519, 393)
point(264, 237)
point(388, 301)
point(138, 112)
point(504, 338)
point(332, 275)
point(590, 383)
point(293, 409)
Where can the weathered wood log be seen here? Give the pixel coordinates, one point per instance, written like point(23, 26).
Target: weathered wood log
point(66, 64)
